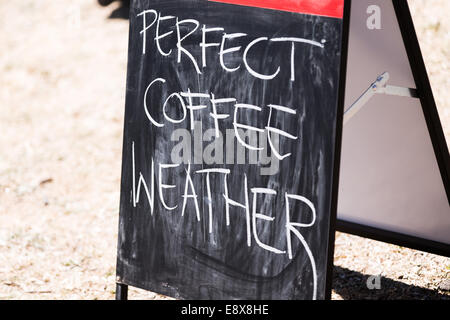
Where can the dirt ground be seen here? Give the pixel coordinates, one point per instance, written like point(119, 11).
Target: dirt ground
point(62, 86)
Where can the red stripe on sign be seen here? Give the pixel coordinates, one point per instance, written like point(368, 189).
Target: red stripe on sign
point(329, 8)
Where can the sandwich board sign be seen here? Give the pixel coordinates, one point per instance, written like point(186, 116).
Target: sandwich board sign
point(231, 147)
point(394, 175)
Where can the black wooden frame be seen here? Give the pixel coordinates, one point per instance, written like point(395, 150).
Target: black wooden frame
point(338, 144)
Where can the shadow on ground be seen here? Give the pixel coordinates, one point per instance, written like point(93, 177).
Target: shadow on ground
point(351, 285)
point(121, 12)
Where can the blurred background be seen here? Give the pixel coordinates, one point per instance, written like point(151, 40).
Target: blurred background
point(62, 95)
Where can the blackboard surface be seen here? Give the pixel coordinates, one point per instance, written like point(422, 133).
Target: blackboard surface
point(203, 215)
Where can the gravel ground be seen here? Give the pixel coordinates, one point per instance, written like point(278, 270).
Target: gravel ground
point(62, 85)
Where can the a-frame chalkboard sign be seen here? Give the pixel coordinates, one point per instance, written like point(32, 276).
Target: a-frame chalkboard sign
point(231, 148)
